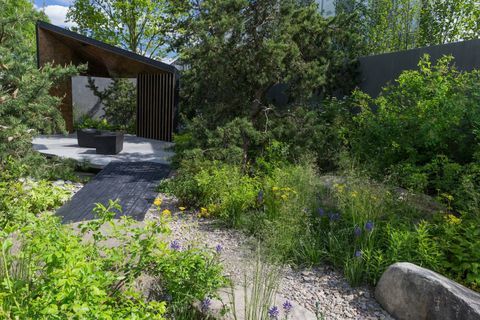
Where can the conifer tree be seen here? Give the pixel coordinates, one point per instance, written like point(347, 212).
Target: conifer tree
point(26, 106)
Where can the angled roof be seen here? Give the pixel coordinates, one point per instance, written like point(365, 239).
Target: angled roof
point(58, 45)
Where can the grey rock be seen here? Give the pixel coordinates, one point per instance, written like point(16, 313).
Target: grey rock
point(409, 292)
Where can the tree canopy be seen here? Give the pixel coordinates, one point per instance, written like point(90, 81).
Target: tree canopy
point(141, 26)
point(238, 50)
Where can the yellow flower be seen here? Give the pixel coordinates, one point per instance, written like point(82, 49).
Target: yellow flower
point(274, 188)
point(204, 213)
point(451, 219)
point(182, 208)
point(284, 196)
point(354, 194)
point(166, 213)
point(339, 187)
point(157, 202)
point(447, 196)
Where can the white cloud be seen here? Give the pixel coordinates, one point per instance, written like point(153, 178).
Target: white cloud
point(57, 15)
point(65, 2)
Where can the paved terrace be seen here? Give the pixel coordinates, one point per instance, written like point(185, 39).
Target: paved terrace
point(135, 149)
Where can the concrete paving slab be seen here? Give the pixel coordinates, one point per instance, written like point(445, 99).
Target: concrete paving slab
point(135, 149)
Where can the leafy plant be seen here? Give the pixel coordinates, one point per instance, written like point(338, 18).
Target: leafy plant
point(49, 271)
point(120, 104)
point(421, 131)
point(26, 106)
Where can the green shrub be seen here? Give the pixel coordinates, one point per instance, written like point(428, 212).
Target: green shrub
point(55, 275)
point(375, 228)
point(189, 275)
point(461, 246)
point(21, 201)
point(422, 131)
point(49, 271)
point(120, 104)
point(26, 106)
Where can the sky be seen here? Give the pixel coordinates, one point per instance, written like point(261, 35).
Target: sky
point(56, 10)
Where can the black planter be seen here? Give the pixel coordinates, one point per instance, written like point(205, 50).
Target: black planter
point(86, 137)
point(109, 142)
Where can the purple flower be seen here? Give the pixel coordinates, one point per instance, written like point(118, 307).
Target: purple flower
point(358, 254)
point(273, 312)
point(287, 307)
point(218, 248)
point(175, 245)
point(205, 304)
point(369, 226)
point(321, 212)
point(260, 196)
point(357, 231)
point(333, 216)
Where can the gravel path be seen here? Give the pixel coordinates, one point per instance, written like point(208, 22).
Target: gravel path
point(321, 287)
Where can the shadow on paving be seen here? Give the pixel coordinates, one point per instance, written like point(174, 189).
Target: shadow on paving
point(132, 183)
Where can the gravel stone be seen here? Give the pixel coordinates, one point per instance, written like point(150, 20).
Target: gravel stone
point(320, 289)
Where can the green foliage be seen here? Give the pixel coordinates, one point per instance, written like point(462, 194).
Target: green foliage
point(423, 130)
point(26, 106)
point(386, 26)
point(120, 105)
point(19, 17)
point(86, 122)
point(49, 271)
point(21, 201)
point(359, 226)
point(295, 46)
point(189, 275)
point(448, 21)
point(222, 189)
point(140, 26)
point(462, 249)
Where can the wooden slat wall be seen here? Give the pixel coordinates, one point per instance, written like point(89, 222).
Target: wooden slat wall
point(155, 104)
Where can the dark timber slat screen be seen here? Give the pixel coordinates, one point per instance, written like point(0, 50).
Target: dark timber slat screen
point(155, 104)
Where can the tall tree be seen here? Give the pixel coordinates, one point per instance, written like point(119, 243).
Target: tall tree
point(386, 25)
point(237, 50)
point(26, 106)
point(392, 25)
point(449, 21)
point(17, 23)
point(141, 26)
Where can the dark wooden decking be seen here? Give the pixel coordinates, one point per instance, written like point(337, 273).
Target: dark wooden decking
point(133, 183)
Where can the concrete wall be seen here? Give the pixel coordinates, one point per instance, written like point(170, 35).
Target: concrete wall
point(83, 99)
point(378, 70)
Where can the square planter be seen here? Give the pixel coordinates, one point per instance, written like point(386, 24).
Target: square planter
point(109, 142)
point(86, 137)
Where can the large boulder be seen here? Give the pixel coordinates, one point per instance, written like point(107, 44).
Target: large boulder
point(408, 291)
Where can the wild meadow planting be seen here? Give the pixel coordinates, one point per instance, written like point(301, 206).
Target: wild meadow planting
point(348, 188)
